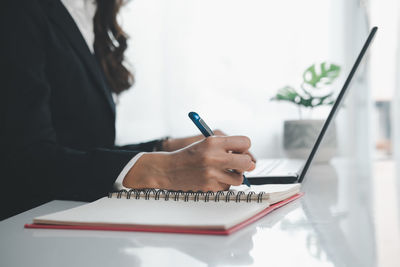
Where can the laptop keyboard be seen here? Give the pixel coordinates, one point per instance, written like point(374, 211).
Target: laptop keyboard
point(264, 167)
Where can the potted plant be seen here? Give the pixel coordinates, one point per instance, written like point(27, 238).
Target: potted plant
point(314, 91)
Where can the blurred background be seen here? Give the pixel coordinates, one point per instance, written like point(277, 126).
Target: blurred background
point(225, 59)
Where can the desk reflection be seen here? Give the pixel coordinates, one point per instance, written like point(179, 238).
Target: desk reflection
point(132, 248)
point(330, 226)
point(338, 208)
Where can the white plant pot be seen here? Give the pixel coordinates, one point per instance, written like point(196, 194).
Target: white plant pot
point(299, 137)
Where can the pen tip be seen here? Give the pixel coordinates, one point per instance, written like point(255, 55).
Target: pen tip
point(246, 181)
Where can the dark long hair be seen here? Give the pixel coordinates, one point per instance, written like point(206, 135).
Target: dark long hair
point(110, 44)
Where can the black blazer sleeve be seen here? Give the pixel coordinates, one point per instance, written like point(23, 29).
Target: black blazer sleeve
point(39, 162)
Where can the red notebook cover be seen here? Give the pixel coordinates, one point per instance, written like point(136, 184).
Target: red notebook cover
point(161, 229)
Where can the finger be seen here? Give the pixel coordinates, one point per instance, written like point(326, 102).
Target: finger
point(215, 183)
point(230, 178)
point(253, 166)
point(223, 187)
point(237, 144)
point(251, 156)
point(219, 133)
point(238, 162)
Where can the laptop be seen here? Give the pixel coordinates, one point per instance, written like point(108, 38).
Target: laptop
point(287, 171)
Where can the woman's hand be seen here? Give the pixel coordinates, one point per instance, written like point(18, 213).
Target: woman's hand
point(204, 166)
point(174, 144)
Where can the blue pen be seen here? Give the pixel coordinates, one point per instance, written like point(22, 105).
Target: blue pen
point(206, 131)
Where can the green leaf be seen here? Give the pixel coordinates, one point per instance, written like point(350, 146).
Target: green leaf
point(289, 94)
point(286, 93)
point(326, 74)
point(323, 100)
point(315, 78)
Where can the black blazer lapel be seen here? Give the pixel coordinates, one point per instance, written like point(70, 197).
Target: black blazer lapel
point(60, 16)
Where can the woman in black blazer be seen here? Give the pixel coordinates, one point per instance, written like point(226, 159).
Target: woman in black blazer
point(58, 116)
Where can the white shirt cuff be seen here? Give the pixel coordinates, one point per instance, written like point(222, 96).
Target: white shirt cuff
point(125, 170)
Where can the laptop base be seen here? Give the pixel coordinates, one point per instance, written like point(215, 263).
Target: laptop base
point(273, 180)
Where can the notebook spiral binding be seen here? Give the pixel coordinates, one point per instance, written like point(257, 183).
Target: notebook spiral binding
point(186, 196)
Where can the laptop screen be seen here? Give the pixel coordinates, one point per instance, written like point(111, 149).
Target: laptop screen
point(337, 103)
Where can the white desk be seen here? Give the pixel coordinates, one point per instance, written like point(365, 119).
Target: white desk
point(334, 224)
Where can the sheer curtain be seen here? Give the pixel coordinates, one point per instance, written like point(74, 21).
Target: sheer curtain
point(225, 59)
point(396, 114)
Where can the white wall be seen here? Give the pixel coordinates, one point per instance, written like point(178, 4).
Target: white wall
point(223, 59)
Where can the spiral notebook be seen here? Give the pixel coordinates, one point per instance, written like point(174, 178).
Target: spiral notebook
point(152, 210)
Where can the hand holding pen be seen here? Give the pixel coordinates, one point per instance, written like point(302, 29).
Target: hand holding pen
point(207, 132)
point(207, 164)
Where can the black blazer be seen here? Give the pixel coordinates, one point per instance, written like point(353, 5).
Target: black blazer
point(57, 112)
